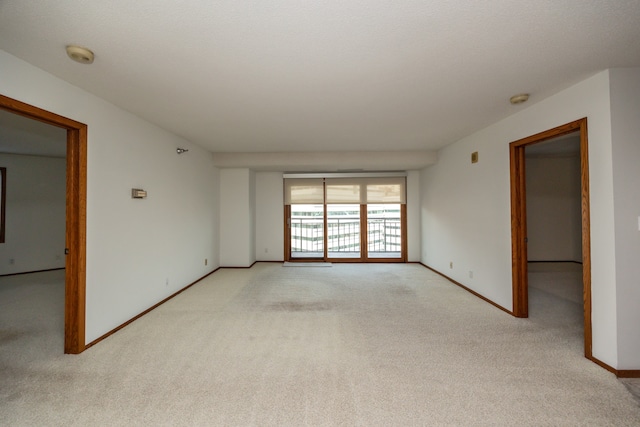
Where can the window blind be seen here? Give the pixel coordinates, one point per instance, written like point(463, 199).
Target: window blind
point(355, 190)
point(386, 190)
point(344, 190)
point(304, 191)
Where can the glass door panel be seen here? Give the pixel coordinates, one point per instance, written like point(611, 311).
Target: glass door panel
point(307, 231)
point(343, 231)
point(384, 231)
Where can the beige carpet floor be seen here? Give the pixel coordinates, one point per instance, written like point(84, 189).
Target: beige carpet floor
point(361, 345)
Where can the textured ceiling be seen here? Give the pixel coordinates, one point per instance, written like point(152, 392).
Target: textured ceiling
point(287, 76)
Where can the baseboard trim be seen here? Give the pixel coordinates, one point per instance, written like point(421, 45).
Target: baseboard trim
point(133, 319)
point(555, 260)
point(242, 266)
point(468, 290)
point(628, 373)
point(620, 373)
point(31, 272)
point(603, 365)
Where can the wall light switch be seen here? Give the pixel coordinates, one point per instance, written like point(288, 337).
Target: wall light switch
point(474, 157)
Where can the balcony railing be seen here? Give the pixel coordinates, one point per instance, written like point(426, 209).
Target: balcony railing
point(384, 235)
point(344, 236)
point(343, 239)
point(307, 235)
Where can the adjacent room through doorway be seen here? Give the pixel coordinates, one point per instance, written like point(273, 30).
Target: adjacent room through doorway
point(75, 196)
point(551, 227)
point(33, 155)
point(554, 236)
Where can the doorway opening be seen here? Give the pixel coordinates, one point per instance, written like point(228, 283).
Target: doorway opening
point(75, 233)
point(519, 237)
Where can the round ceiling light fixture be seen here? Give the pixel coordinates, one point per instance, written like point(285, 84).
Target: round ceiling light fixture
point(519, 99)
point(80, 54)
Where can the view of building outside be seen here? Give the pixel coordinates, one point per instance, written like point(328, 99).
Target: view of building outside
point(384, 231)
point(343, 231)
point(307, 230)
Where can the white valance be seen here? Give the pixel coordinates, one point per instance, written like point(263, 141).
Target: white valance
point(304, 191)
point(357, 190)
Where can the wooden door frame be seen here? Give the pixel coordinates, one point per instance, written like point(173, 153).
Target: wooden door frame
point(76, 207)
point(364, 241)
point(519, 221)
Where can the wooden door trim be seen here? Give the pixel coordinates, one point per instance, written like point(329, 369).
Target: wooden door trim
point(518, 232)
point(287, 232)
point(325, 226)
point(404, 232)
point(76, 207)
point(518, 221)
point(364, 233)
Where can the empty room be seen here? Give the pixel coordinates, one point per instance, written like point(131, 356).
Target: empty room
point(319, 213)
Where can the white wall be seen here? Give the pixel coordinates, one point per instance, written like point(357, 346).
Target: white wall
point(237, 224)
point(413, 216)
point(554, 218)
point(138, 251)
point(215, 187)
point(269, 217)
point(35, 213)
point(252, 217)
point(466, 207)
point(625, 130)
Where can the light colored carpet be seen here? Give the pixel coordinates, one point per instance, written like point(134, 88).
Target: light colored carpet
point(560, 279)
point(366, 345)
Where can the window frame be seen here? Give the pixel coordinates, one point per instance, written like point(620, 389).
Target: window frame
point(361, 199)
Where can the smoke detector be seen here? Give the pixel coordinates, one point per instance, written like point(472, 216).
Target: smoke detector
point(519, 99)
point(80, 54)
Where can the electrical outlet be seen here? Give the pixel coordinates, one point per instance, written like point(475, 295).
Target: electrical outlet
point(266, 250)
point(166, 281)
point(470, 274)
point(451, 264)
point(12, 261)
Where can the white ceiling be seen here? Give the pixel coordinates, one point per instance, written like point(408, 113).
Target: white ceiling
point(309, 76)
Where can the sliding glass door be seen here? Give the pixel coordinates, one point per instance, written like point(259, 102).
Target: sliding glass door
point(306, 224)
point(351, 219)
point(344, 231)
point(384, 231)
